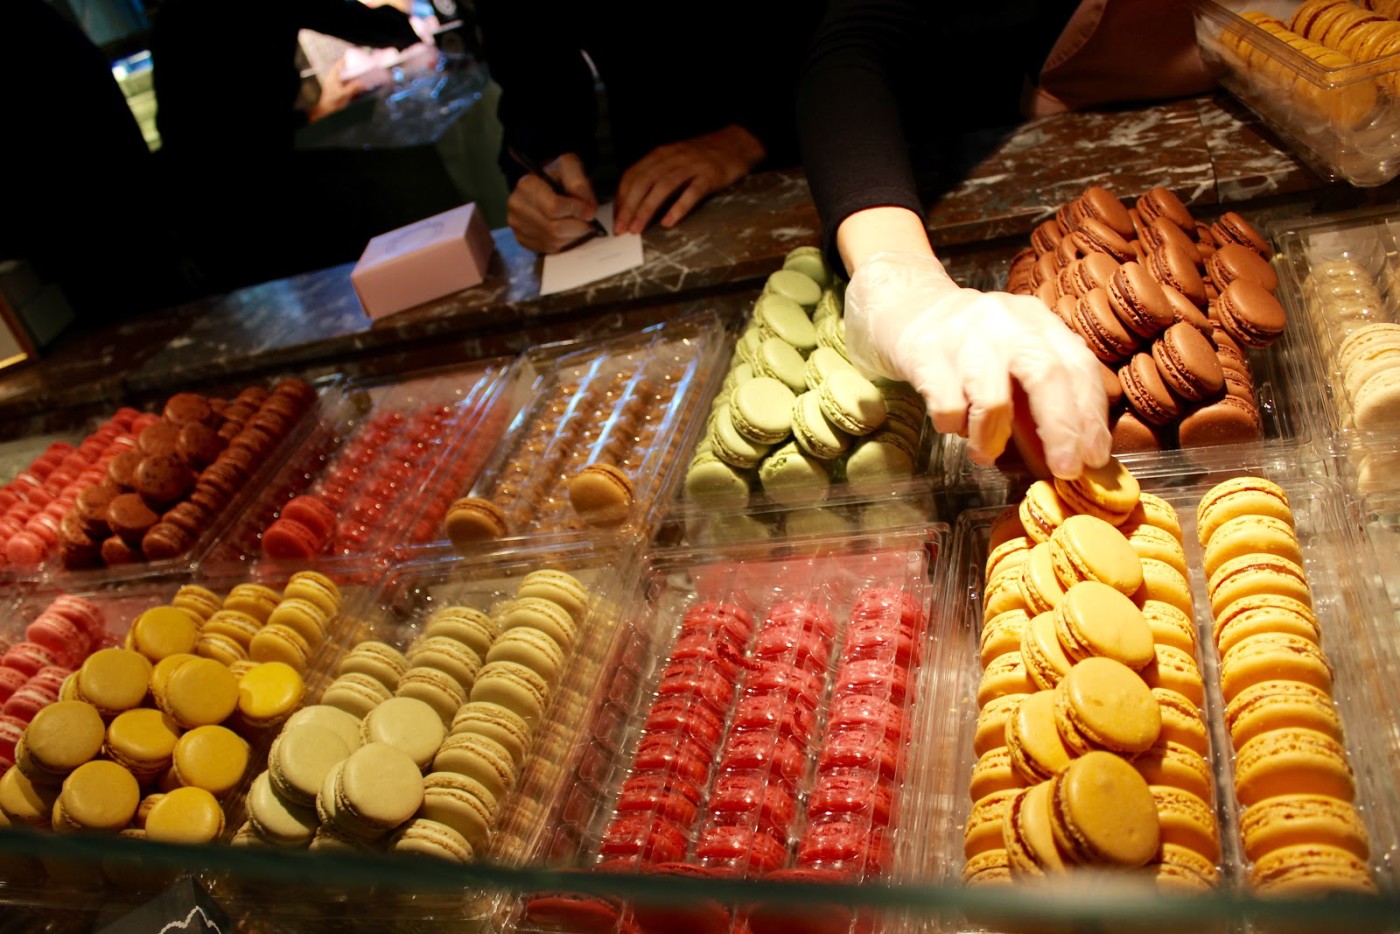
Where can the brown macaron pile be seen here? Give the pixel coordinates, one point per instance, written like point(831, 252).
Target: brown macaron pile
point(1168, 304)
point(184, 467)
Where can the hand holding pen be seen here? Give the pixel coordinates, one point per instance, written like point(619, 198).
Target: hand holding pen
point(552, 212)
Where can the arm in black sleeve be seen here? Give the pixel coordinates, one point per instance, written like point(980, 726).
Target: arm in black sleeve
point(548, 106)
point(848, 109)
point(352, 21)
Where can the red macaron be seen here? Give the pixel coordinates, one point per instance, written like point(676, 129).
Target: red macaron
point(843, 844)
point(861, 794)
point(873, 678)
point(771, 754)
point(648, 837)
point(767, 712)
point(747, 850)
point(744, 799)
point(675, 754)
point(785, 681)
point(791, 642)
point(806, 615)
point(286, 540)
point(687, 717)
point(695, 680)
point(859, 749)
point(315, 515)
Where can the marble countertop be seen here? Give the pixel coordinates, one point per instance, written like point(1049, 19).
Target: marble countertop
point(1210, 150)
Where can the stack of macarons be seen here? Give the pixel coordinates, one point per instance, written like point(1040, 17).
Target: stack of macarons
point(142, 749)
point(460, 707)
point(771, 749)
point(377, 476)
point(34, 503)
point(251, 624)
point(1090, 692)
point(597, 417)
point(1169, 305)
point(33, 670)
point(795, 414)
point(851, 803)
point(1317, 34)
point(1301, 831)
point(162, 493)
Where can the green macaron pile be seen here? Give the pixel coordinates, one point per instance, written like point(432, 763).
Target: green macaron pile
point(795, 415)
point(416, 750)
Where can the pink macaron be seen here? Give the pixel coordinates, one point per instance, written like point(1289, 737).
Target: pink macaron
point(27, 658)
point(64, 640)
point(11, 680)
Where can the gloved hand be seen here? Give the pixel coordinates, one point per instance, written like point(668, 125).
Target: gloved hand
point(961, 349)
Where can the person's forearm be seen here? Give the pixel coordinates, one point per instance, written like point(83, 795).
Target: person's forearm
point(879, 230)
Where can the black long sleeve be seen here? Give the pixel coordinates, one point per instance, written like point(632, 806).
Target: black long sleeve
point(889, 84)
point(731, 62)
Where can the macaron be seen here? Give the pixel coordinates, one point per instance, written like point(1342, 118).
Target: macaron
point(344, 725)
point(559, 587)
point(513, 686)
point(1042, 654)
point(1292, 761)
point(601, 494)
point(1163, 583)
point(460, 802)
point(851, 402)
point(425, 837)
point(376, 789)
point(494, 722)
point(315, 587)
point(1187, 821)
point(407, 724)
point(355, 694)
point(1241, 496)
point(60, 737)
point(471, 627)
point(447, 655)
point(1037, 751)
point(1086, 548)
point(1182, 720)
point(1300, 819)
point(1248, 310)
point(1039, 585)
point(478, 757)
point(761, 410)
point(1103, 813)
point(378, 660)
point(982, 830)
point(299, 759)
point(1109, 492)
point(472, 520)
point(301, 616)
point(198, 693)
point(1042, 510)
point(1001, 634)
point(1273, 657)
point(1306, 870)
point(98, 795)
point(1274, 705)
point(439, 690)
point(1175, 670)
point(143, 741)
point(1148, 541)
point(1005, 674)
point(275, 819)
point(1104, 704)
point(788, 474)
point(1096, 619)
point(543, 615)
point(1176, 766)
point(210, 757)
point(190, 816)
point(992, 718)
point(992, 773)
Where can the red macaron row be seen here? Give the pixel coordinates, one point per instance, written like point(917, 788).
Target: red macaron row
point(753, 803)
point(850, 802)
point(659, 804)
point(33, 504)
point(379, 475)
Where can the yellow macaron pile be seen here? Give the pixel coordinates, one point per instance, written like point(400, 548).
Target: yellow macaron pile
point(460, 705)
point(252, 623)
point(1329, 45)
point(1090, 697)
point(1300, 829)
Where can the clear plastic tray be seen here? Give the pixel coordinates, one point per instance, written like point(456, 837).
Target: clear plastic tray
point(328, 394)
point(632, 401)
point(912, 503)
point(1359, 639)
point(1363, 247)
point(1343, 122)
point(827, 573)
point(388, 486)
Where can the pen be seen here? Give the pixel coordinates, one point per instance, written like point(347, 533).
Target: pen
point(533, 167)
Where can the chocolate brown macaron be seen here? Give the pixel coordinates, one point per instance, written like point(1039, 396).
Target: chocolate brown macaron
point(1138, 301)
point(1161, 202)
point(129, 518)
point(1172, 266)
point(1188, 364)
point(1250, 313)
point(1232, 228)
point(1230, 420)
point(1234, 261)
point(1105, 335)
point(1147, 393)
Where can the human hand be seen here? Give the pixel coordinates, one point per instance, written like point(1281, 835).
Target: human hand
point(965, 350)
point(546, 222)
point(335, 93)
point(688, 171)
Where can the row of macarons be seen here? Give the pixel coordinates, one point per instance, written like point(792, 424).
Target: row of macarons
point(1080, 704)
point(461, 705)
point(1299, 826)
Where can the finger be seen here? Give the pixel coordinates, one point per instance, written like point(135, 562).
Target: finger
point(1054, 398)
point(638, 183)
point(632, 187)
point(937, 381)
point(662, 188)
point(538, 232)
point(568, 169)
point(549, 206)
point(987, 387)
point(693, 194)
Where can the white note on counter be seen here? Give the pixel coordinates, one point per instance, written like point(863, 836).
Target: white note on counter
point(592, 260)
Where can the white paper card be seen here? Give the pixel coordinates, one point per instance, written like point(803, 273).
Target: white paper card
point(593, 260)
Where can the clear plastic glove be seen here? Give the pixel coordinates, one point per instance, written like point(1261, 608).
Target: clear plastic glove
point(962, 349)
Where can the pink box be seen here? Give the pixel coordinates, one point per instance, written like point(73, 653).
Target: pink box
point(428, 259)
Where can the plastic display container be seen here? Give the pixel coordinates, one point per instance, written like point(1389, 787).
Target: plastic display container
point(1358, 637)
point(909, 504)
point(1337, 273)
point(386, 457)
point(725, 716)
point(632, 402)
point(240, 489)
point(1344, 122)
